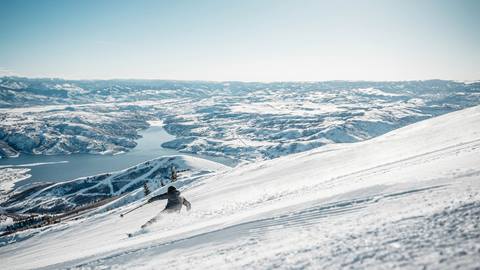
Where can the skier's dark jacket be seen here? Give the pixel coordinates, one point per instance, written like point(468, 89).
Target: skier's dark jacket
point(175, 201)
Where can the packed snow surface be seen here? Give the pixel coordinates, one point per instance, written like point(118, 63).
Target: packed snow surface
point(409, 199)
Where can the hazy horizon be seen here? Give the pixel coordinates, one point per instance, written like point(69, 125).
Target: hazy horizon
point(224, 81)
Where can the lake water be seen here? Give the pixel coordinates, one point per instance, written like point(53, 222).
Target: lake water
point(67, 167)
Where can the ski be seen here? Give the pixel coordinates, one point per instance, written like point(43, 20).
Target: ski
point(137, 233)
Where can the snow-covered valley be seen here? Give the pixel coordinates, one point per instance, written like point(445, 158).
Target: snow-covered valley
point(409, 198)
point(237, 120)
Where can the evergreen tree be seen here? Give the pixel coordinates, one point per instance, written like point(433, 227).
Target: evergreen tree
point(146, 190)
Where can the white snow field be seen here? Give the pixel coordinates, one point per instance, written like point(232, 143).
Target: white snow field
point(408, 199)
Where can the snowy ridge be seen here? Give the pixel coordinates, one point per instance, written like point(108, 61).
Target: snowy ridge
point(66, 196)
point(409, 198)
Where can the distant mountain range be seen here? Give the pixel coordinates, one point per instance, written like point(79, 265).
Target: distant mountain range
point(246, 121)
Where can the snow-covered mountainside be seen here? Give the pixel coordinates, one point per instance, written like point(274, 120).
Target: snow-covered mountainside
point(55, 198)
point(65, 130)
point(247, 121)
point(409, 198)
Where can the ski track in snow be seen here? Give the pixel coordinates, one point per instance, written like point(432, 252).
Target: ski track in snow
point(391, 243)
point(409, 199)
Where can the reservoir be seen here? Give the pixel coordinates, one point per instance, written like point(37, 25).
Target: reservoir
point(57, 168)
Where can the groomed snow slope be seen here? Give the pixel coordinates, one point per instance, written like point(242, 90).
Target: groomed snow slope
point(407, 199)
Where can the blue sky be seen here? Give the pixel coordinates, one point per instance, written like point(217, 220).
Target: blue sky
point(262, 40)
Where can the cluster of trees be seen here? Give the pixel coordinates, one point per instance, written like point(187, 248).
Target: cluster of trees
point(36, 221)
point(32, 221)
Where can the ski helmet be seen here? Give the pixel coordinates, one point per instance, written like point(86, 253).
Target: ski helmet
point(171, 189)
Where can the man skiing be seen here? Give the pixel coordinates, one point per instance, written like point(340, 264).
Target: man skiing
point(174, 203)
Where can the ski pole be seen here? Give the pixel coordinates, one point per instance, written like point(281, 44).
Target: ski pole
point(121, 215)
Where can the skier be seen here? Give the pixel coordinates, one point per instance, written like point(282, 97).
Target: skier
point(174, 203)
